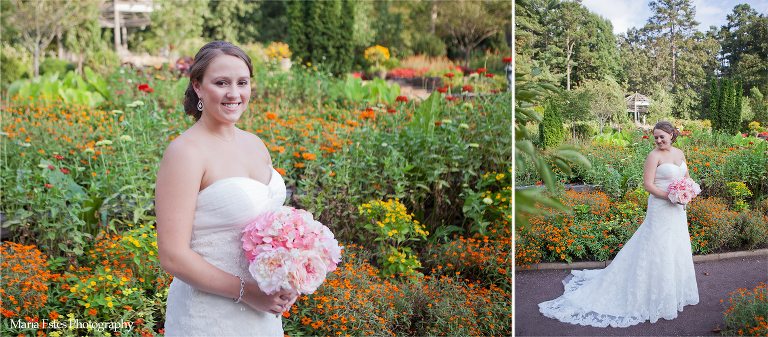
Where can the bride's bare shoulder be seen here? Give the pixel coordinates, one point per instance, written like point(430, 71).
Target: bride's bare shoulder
point(186, 149)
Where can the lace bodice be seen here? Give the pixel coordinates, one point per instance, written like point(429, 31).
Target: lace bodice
point(223, 210)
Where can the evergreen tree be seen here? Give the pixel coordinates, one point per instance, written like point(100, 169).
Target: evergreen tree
point(551, 132)
point(737, 103)
point(726, 105)
point(713, 102)
point(297, 36)
point(316, 33)
point(759, 106)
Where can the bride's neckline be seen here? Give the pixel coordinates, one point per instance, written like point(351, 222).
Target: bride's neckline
point(271, 177)
point(681, 164)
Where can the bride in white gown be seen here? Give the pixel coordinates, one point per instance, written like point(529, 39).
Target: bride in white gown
point(652, 276)
point(213, 180)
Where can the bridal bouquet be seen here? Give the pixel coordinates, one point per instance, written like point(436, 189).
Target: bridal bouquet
point(683, 190)
point(288, 249)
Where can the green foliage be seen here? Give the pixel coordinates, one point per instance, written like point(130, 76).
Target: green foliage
point(12, 70)
point(759, 106)
point(746, 315)
point(321, 32)
point(428, 44)
point(551, 133)
point(72, 88)
point(527, 94)
point(486, 207)
point(395, 229)
point(55, 66)
point(585, 130)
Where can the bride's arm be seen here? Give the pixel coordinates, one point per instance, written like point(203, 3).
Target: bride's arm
point(649, 173)
point(177, 186)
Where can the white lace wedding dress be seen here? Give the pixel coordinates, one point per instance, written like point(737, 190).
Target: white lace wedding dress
point(652, 277)
point(223, 210)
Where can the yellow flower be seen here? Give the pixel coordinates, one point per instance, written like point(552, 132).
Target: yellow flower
point(109, 304)
point(87, 305)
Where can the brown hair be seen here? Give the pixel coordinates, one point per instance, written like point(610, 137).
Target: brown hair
point(668, 128)
point(197, 69)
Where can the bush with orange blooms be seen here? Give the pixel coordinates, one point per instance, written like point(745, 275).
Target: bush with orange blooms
point(748, 313)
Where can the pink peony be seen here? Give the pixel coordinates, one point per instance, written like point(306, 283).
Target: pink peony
point(295, 232)
point(683, 190)
point(271, 269)
point(308, 271)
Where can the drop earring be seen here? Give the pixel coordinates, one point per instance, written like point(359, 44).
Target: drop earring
point(200, 105)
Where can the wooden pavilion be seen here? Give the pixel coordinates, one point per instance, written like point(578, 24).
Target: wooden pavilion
point(637, 104)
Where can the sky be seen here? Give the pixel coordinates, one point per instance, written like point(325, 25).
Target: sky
point(625, 14)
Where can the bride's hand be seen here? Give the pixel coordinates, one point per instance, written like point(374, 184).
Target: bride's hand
point(276, 303)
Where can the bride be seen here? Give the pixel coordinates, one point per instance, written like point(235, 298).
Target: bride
point(213, 180)
point(652, 277)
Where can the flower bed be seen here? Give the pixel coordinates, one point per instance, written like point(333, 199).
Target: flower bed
point(82, 202)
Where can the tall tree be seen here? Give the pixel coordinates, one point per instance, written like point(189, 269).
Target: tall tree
point(606, 100)
point(714, 114)
point(573, 18)
point(673, 21)
point(320, 32)
point(85, 39)
point(226, 20)
point(39, 21)
point(745, 46)
point(174, 22)
point(468, 23)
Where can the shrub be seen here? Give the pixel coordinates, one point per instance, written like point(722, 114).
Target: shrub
point(52, 65)
point(585, 130)
point(551, 130)
point(694, 127)
point(747, 314)
point(429, 44)
point(608, 129)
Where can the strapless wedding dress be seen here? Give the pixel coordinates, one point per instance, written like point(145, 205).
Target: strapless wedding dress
point(652, 277)
point(223, 210)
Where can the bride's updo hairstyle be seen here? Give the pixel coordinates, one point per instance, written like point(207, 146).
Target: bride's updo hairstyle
point(668, 128)
point(200, 64)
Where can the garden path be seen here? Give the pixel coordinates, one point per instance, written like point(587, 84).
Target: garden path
point(716, 281)
point(413, 93)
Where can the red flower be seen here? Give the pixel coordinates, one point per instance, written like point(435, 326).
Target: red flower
point(489, 75)
point(538, 182)
point(401, 99)
point(467, 88)
point(51, 167)
point(65, 171)
point(438, 123)
point(449, 75)
point(495, 91)
point(507, 60)
point(646, 137)
point(482, 70)
point(49, 185)
point(143, 87)
point(450, 98)
point(149, 90)
point(58, 157)
point(391, 111)
point(357, 75)
point(751, 143)
point(442, 90)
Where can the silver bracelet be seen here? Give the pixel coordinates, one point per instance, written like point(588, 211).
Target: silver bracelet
point(242, 289)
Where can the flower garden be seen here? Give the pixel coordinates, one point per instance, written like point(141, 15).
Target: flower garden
point(430, 181)
point(731, 213)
